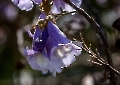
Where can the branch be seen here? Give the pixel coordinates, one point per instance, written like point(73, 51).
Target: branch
point(64, 13)
point(100, 32)
point(96, 56)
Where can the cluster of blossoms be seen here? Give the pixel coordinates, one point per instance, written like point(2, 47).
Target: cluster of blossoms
point(51, 50)
point(55, 4)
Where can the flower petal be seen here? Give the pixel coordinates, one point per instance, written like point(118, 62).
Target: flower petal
point(30, 56)
point(68, 59)
point(40, 39)
point(60, 4)
point(38, 61)
point(37, 34)
point(68, 8)
point(57, 5)
point(66, 53)
point(25, 5)
point(56, 36)
point(54, 9)
point(37, 1)
point(28, 52)
point(48, 47)
point(77, 2)
point(42, 16)
point(15, 2)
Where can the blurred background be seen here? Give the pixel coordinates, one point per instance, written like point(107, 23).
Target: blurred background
point(14, 69)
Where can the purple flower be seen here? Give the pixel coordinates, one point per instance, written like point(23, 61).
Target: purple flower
point(58, 4)
point(37, 1)
point(51, 50)
point(26, 4)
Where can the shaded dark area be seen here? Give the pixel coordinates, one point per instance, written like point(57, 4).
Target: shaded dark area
point(14, 69)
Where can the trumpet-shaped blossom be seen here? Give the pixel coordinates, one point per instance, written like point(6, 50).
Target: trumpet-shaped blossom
point(60, 4)
point(51, 50)
point(26, 4)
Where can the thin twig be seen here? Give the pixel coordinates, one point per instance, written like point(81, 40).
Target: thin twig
point(97, 57)
point(100, 33)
